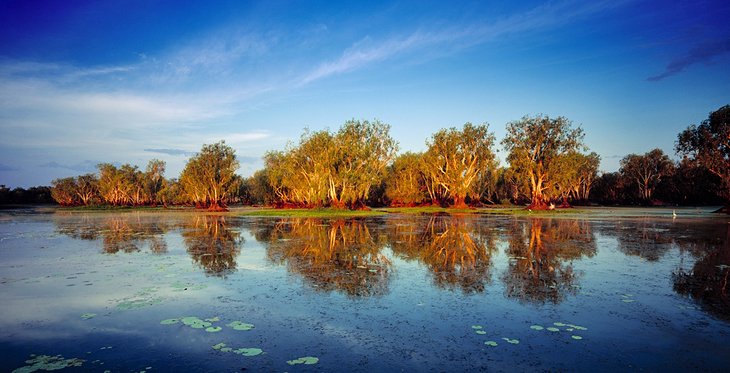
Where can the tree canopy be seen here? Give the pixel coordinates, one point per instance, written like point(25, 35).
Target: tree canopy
point(708, 145)
point(535, 146)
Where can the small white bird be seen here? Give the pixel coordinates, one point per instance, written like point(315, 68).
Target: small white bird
point(674, 214)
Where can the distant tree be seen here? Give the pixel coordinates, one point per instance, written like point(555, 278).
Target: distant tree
point(535, 145)
point(608, 189)
point(209, 176)
point(574, 175)
point(646, 171)
point(405, 183)
point(456, 159)
point(708, 144)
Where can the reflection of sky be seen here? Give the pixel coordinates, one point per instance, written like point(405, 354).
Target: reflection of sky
point(396, 330)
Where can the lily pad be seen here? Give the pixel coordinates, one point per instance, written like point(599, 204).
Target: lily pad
point(169, 321)
point(559, 324)
point(45, 362)
point(87, 316)
point(307, 360)
point(476, 326)
point(512, 341)
point(240, 325)
point(226, 349)
point(219, 346)
point(213, 329)
point(491, 343)
point(628, 300)
point(536, 327)
point(248, 351)
point(553, 329)
point(577, 337)
point(481, 332)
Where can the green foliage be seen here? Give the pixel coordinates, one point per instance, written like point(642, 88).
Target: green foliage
point(646, 171)
point(209, 177)
point(405, 182)
point(535, 146)
point(457, 160)
point(708, 145)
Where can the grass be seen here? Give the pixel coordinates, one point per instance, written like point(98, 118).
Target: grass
point(311, 213)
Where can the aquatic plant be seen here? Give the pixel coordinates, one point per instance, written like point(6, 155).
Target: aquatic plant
point(46, 362)
point(307, 360)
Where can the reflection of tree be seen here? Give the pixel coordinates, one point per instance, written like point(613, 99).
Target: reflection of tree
point(338, 255)
point(119, 233)
point(212, 245)
point(645, 238)
point(708, 282)
point(539, 250)
point(456, 249)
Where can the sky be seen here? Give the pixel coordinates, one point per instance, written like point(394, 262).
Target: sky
point(121, 81)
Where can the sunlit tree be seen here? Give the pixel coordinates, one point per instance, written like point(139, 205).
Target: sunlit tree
point(535, 145)
point(209, 177)
point(405, 182)
point(456, 159)
point(63, 191)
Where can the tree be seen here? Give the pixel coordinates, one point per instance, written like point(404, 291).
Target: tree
point(646, 171)
point(456, 159)
point(63, 191)
point(405, 184)
point(535, 145)
point(209, 176)
point(154, 181)
point(708, 144)
point(87, 188)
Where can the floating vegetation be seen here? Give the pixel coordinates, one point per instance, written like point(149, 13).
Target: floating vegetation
point(491, 343)
point(628, 298)
point(248, 351)
point(476, 327)
point(553, 329)
point(481, 332)
point(307, 360)
point(88, 315)
point(240, 325)
point(213, 329)
point(45, 362)
point(182, 286)
point(195, 322)
point(512, 341)
point(559, 324)
point(536, 327)
point(576, 337)
point(252, 351)
point(169, 321)
point(141, 299)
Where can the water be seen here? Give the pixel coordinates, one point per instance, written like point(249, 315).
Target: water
point(409, 293)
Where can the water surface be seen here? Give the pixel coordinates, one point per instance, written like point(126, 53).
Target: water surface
point(416, 293)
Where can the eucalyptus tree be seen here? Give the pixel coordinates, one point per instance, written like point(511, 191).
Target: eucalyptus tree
point(87, 188)
point(209, 177)
point(575, 174)
point(117, 185)
point(405, 182)
point(646, 171)
point(154, 181)
point(63, 191)
point(708, 145)
point(535, 145)
point(362, 151)
point(456, 159)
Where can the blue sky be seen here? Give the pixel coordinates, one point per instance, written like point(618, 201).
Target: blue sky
point(84, 82)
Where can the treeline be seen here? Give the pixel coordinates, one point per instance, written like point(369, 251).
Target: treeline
point(358, 165)
point(39, 195)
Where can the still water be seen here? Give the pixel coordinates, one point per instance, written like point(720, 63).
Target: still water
point(145, 291)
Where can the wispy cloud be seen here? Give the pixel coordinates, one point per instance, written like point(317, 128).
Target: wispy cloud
point(170, 151)
point(85, 166)
point(456, 37)
point(703, 53)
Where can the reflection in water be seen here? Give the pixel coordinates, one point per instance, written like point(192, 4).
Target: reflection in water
point(456, 249)
point(212, 244)
point(708, 282)
point(119, 233)
point(646, 238)
point(340, 255)
point(541, 253)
